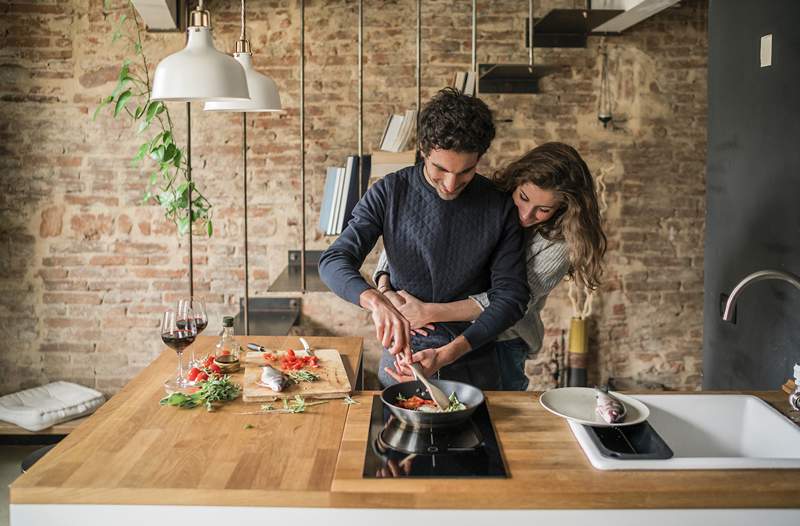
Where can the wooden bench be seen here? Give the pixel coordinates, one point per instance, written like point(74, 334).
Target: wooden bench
point(13, 434)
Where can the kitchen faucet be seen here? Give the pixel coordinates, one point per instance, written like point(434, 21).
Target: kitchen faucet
point(761, 275)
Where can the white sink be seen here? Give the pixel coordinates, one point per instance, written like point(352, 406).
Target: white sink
point(707, 431)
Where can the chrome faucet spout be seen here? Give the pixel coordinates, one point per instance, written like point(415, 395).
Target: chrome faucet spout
point(761, 275)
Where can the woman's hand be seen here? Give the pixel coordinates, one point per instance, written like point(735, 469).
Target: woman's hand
point(415, 311)
point(427, 359)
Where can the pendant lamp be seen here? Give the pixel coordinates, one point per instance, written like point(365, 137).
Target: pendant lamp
point(199, 72)
point(264, 94)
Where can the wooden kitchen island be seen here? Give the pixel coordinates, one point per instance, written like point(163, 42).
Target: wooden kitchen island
point(135, 462)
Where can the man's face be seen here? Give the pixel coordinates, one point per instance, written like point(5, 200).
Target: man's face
point(449, 172)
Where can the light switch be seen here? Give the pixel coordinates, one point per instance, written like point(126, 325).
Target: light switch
point(766, 51)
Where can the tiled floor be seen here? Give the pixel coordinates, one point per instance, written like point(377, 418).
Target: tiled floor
point(10, 459)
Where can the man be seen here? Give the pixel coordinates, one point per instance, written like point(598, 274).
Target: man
point(448, 233)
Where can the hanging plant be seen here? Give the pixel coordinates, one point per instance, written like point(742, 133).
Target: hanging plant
point(168, 183)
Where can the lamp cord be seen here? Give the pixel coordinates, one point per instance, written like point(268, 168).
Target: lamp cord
point(243, 30)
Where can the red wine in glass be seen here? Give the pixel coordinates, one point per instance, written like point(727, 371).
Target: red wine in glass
point(194, 309)
point(180, 339)
point(177, 333)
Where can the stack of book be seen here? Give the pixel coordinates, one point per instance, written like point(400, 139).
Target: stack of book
point(341, 194)
point(464, 81)
point(399, 132)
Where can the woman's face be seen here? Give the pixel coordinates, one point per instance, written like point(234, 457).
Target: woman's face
point(534, 205)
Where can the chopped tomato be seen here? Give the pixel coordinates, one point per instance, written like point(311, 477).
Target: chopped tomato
point(193, 372)
point(414, 402)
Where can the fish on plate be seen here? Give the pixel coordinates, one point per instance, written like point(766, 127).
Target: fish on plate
point(609, 408)
point(273, 378)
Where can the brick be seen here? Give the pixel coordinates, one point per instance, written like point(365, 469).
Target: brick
point(107, 261)
point(71, 297)
point(91, 226)
point(52, 221)
point(67, 347)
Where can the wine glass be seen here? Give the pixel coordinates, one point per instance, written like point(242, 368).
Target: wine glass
point(193, 308)
point(177, 334)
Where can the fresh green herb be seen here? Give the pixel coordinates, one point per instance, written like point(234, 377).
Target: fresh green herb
point(302, 376)
point(169, 183)
point(455, 404)
point(249, 426)
point(296, 405)
point(401, 398)
point(350, 401)
point(214, 390)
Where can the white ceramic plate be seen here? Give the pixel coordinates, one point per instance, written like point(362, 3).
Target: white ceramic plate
point(578, 404)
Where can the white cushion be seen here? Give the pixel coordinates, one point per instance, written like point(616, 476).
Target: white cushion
point(41, 407)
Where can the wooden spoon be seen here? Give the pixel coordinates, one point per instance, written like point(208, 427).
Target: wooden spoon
point(441, 399)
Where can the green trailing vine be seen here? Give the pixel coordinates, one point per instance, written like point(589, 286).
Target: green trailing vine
point(168, 183)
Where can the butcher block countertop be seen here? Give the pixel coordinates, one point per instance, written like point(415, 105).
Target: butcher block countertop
point(133, 451)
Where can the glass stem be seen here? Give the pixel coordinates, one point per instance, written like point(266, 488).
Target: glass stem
point(180, 367)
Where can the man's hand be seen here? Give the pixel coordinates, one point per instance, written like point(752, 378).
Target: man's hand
point(391, 328)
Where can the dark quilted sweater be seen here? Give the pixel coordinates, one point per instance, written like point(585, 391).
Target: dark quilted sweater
point(439, 251)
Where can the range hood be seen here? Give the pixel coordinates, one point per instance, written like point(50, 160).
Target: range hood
point(570, 27)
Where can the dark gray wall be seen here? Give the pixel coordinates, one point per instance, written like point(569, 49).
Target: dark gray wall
point(753, 193)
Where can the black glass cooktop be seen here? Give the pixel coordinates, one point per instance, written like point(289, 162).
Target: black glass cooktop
point(397, 450)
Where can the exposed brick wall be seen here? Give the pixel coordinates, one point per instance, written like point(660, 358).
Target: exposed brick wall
point(85, 269)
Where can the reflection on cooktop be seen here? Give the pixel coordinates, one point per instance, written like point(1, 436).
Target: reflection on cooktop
point(395, 449)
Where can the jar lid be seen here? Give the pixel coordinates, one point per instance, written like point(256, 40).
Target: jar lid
point(227, 321)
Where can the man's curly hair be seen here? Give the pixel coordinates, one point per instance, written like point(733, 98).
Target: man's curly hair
point(454, 121)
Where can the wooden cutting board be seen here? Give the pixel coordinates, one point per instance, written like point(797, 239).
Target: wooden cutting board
point(332, 383)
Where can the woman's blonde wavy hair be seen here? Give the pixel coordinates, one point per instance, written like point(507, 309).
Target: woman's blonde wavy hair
point(558, 167)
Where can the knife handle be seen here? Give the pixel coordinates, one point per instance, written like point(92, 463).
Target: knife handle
point(256, 347)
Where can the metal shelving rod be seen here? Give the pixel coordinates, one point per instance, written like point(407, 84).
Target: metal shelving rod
point(419, 61)
point(189, 179)
point(474, 35)
point(302, 148)
point(360, 94)
point(246, 264)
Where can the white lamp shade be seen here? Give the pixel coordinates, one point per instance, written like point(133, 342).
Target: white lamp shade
point(199, 73)
point(264, 94)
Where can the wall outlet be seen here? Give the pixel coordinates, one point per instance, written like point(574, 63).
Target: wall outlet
point(766, 51)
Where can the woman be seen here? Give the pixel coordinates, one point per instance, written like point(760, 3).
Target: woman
point(557, 205)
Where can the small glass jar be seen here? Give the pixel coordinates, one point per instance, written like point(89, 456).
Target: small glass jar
point(227, 344)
